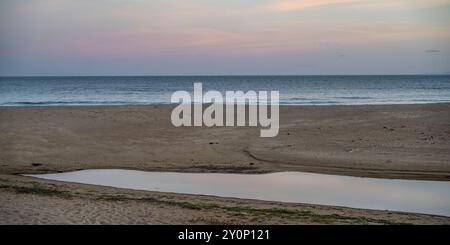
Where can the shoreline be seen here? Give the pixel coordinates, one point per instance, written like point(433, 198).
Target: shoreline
point(43, 104)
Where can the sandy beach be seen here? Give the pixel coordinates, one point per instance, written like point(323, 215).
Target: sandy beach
point(382, 141)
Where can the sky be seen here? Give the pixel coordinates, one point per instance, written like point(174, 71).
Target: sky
point(224, 37)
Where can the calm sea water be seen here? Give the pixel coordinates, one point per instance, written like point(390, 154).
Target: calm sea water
point(25, 91)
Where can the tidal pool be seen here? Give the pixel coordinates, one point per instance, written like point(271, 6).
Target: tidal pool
point(418, 196)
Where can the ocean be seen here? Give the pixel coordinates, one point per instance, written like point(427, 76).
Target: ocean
point(302, 90)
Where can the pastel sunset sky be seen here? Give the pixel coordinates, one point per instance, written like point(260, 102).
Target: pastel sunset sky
point(224, 37)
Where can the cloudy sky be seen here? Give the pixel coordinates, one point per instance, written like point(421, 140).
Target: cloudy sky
point(224, 37)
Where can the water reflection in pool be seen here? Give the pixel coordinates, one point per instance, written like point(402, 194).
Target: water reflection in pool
point(431, 197)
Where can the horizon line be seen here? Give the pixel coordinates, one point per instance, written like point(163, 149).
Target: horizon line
point(234, 75)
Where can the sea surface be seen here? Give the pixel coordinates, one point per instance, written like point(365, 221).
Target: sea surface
point(316, 90)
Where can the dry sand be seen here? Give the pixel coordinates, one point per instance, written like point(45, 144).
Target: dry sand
point(388, 141)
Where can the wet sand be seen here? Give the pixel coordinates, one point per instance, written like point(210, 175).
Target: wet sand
point(386, 141)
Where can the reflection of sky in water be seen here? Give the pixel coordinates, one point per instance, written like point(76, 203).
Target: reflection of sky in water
point(431, 197)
